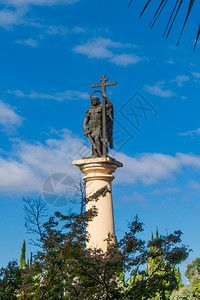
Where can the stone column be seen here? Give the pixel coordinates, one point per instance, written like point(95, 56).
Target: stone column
point(98, 174)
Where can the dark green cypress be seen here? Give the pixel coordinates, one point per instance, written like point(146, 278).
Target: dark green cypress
point(31, 259)
point(22, 263)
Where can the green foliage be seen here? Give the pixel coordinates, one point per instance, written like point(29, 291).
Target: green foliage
point(65, 269)
point(193, 274)
point(191, 291)
point(31, 259)
point(178, 277)
point(157, 266)
point(184, 293)
point(196, 285)
point(193, 269)
point(10, 281)
point(22, 263)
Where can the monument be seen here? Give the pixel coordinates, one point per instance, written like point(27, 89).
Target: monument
point(98, 169)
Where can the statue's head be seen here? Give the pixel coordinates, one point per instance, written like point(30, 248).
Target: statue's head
point(95, 101)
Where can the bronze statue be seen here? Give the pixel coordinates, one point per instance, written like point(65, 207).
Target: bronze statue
point(98, 122)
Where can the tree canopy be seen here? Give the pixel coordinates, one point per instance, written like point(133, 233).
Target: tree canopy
point(64, 268)
point(193, 269)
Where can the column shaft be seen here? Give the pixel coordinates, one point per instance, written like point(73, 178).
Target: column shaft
point(98, 174)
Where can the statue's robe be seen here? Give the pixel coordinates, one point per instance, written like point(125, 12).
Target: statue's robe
point(94, 121)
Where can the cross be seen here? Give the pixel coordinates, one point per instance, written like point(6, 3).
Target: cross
point(103, 84)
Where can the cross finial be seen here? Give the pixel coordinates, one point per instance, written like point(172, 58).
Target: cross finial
point(104, 83)
point(103, 79)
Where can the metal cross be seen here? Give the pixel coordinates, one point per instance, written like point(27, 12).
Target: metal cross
point(103, 85)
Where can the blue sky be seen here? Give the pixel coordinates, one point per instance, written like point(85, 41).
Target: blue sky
point(51, 53)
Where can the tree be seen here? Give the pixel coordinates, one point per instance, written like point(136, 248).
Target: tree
point(22, 263)
point(66, 269)
point(31, 259)
point(170, 282)
point(191, 291)
point(178, 278)
point(35, 213)
point(172, 16)
point(184, 293)
point(10, 281)
point(193, 274)
point(195, 283)
point(193, 269)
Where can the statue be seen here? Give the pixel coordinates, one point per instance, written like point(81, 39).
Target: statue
point(93, 120)
point(98, 122)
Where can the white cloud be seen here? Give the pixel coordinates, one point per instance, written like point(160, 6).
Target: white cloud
point(134, 198)
point(196, 75)
point(78, 29)
point(164, 191)
point(8, 18)
point(189, 160)
point(67, 95)
point(100, 48)
point(96, 48)
point(58, 30)
point(181, 79)
point(194, 185)
point(29, 164)
point(14, 11)
point(159, 90)
point(170, 61)
point(148, 168)
point(125, 59)
point(9, 119)
point(28, 42)
point(37, 2)
point(183, 97)
point(191, 133)
point(55, 29)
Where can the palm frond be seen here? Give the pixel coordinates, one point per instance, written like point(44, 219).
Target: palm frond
point(159, 7)
point(197, 38)
point(147, 4)
point(130, 3)
point(172, 17)
point(158, 12)
point(188, 13)
point(176, 13)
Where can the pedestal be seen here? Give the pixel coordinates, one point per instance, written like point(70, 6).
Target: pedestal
point(98, 174)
